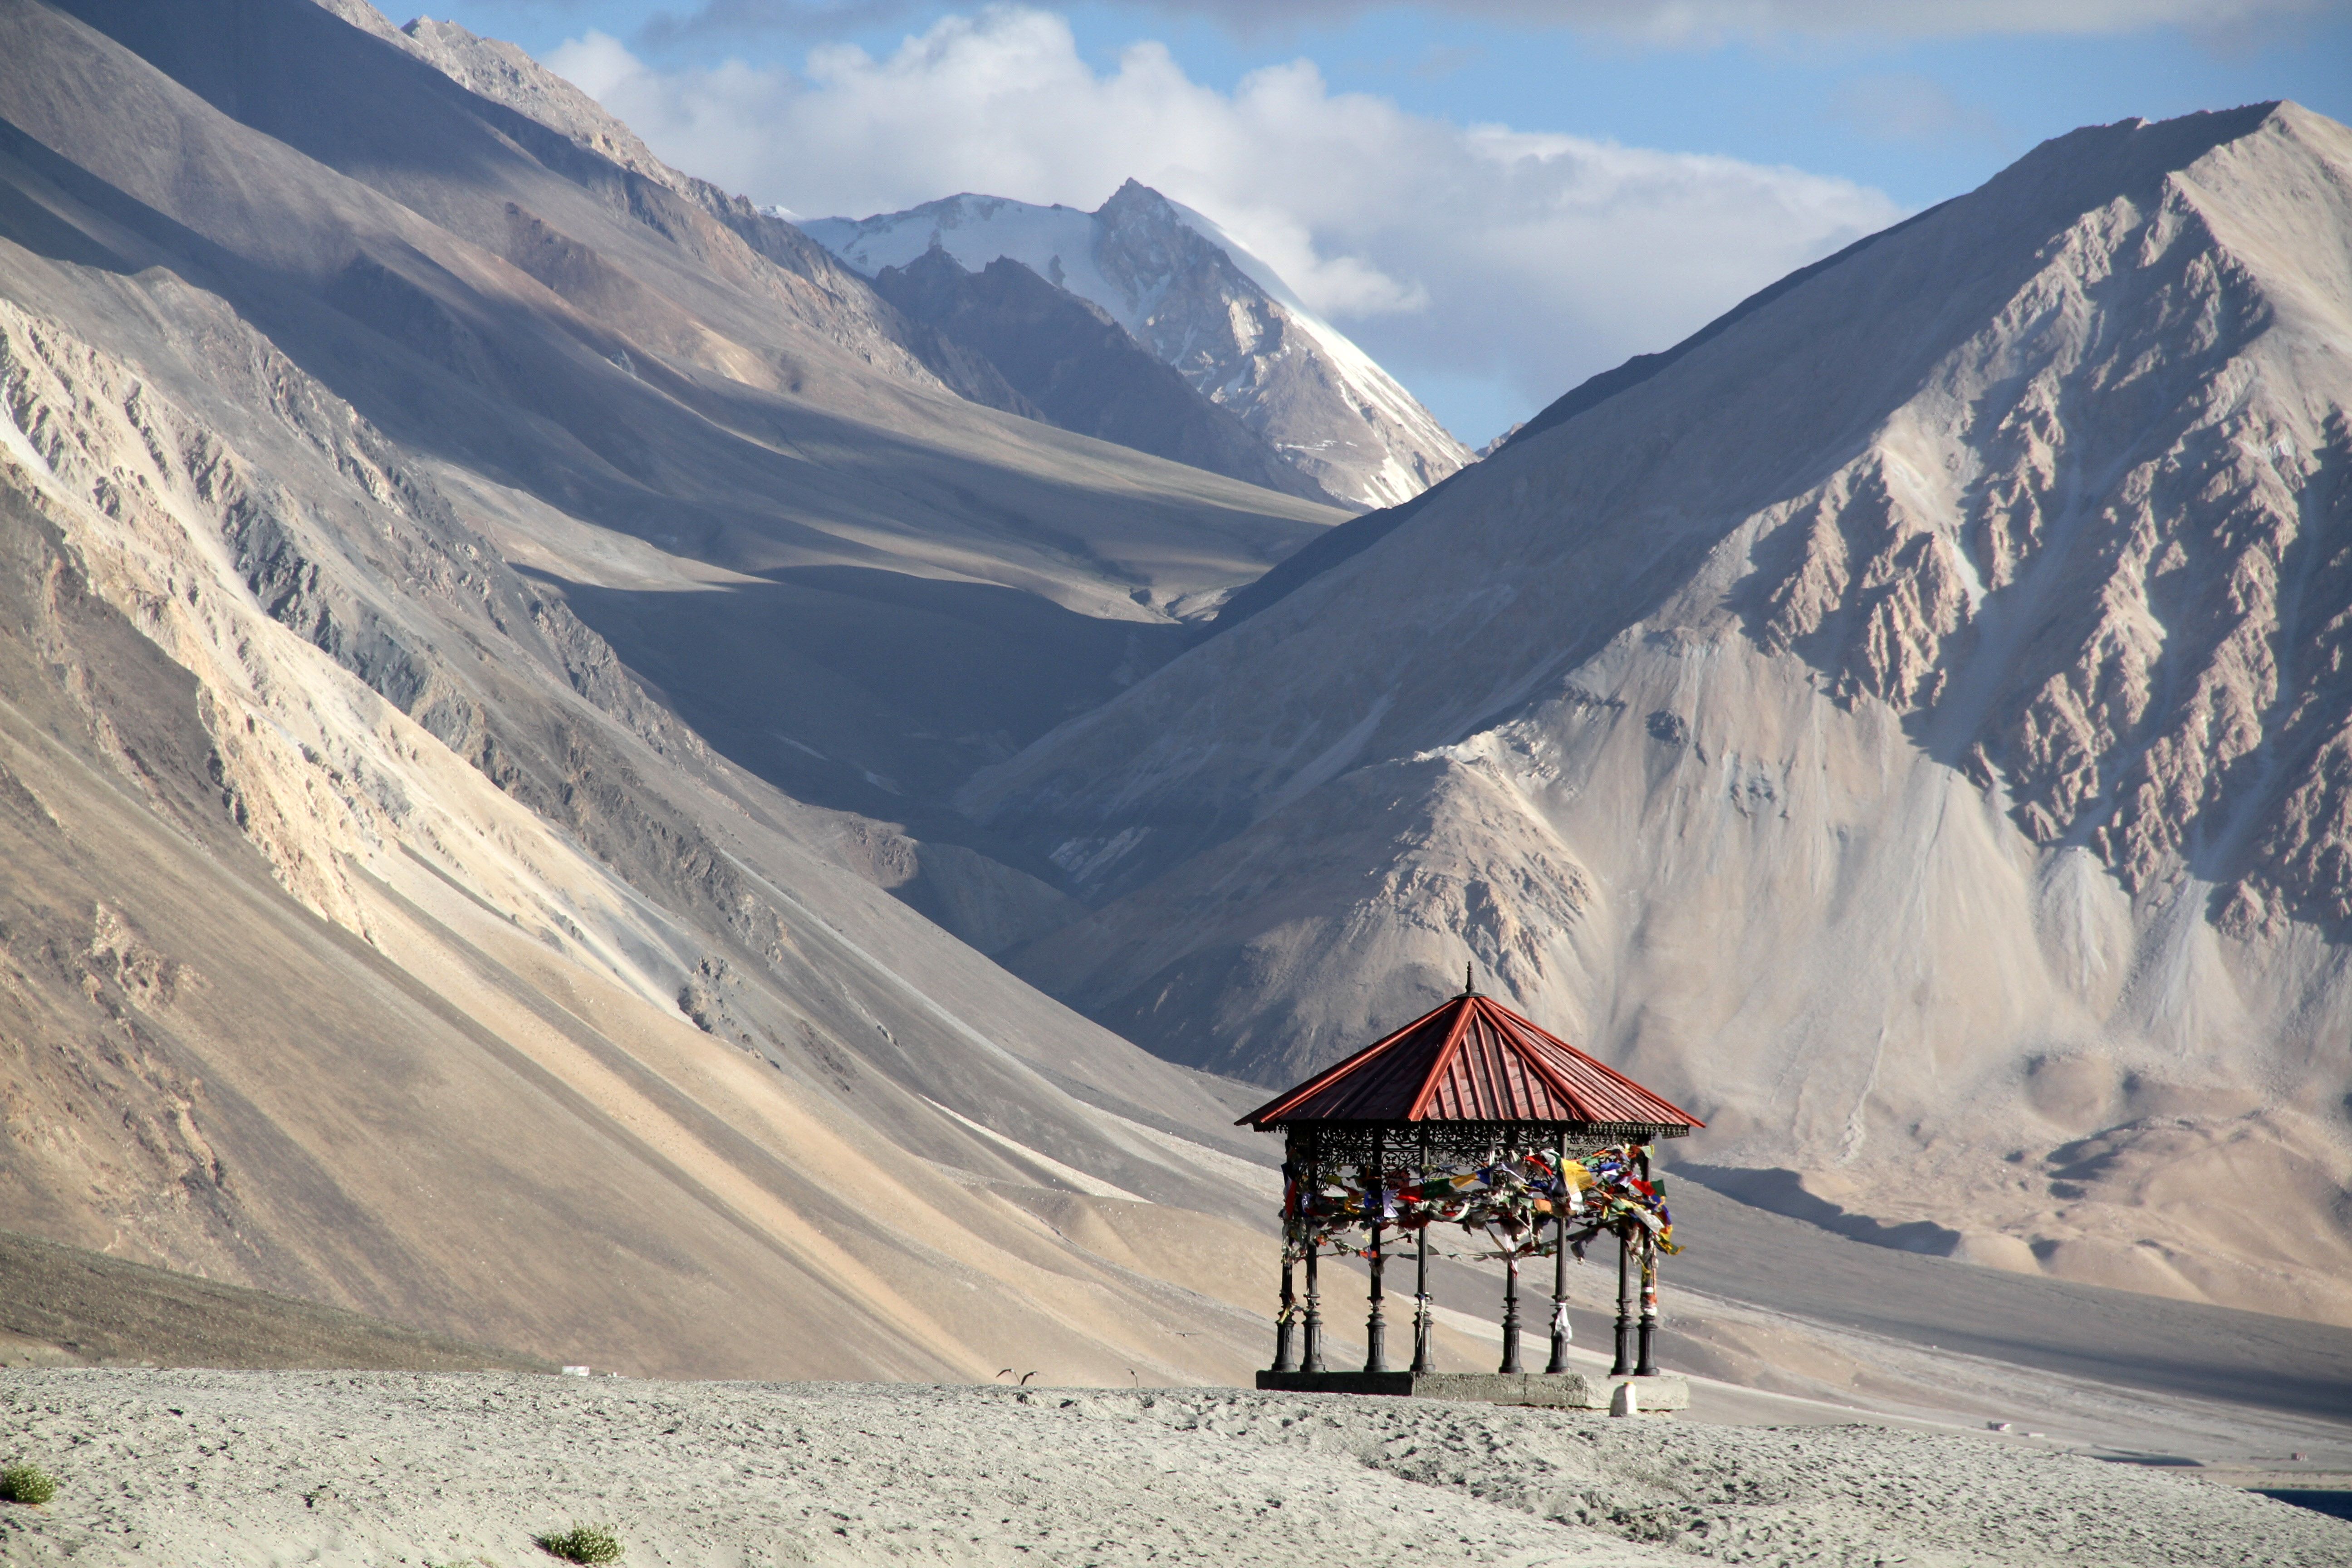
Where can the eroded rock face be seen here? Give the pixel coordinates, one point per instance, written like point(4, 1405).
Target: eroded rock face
point(1937, 672)
point(1311, 934)
point(2153, 532)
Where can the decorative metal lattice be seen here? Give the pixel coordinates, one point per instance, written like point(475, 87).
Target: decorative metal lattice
point(1434, 1145)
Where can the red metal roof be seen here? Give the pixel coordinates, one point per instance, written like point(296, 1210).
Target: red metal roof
point(1471, 1060)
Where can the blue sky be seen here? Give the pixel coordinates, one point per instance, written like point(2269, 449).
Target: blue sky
point(1636, 174)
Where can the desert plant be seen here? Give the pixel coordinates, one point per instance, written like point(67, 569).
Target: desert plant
point(26, 1483)
point(582, 1544)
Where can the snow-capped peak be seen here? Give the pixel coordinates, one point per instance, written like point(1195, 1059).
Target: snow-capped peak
point(1202, 303)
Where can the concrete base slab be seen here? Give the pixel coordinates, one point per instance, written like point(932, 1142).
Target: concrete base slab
point(1559, 1390)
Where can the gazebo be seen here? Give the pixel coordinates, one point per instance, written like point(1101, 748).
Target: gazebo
point(1468, 1116)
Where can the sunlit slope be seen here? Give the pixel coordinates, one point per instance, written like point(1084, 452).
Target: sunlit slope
point(582, 1043)
point(1909, 729)
point(371, 932)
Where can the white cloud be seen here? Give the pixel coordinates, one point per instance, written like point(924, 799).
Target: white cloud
point(1708, 21)
point(1663, 22)
point(1464, 255)
point(597, 64)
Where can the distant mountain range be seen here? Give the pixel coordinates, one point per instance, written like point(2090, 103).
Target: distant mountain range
point(1201, 303)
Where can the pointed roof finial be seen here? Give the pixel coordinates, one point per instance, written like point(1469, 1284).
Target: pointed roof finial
point(1469, 986)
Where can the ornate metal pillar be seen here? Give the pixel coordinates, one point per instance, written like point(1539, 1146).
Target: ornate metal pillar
point(1647, 1366)
point(1286, 1345)
point(1625, 1362)
point(1421, 1362)
point(1511, 1315)
point(1560, 1334)
point(1314, 1362)
point(1376, 1326)
point(1286, 1348)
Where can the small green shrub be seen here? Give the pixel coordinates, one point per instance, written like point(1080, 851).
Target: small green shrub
point(582, 1544)
point(26, 1483)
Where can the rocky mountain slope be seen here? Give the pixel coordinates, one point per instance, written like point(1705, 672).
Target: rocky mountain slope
point(1073, 365)
point(1200, 302)
point(1909, 727)
point(371, 930)
point(501, 73)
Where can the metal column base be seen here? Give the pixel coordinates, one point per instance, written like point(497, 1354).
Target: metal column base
point(1559, 1391)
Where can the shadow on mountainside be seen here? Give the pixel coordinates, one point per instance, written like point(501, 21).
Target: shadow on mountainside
point(870, 690)
point(866, 689)
point(1741, 1253)
point(1783, 1192)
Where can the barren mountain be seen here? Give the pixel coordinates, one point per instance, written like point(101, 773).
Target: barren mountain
point(1909, 725)
point(501, 73)
point(1200, 301)
point(371, 931)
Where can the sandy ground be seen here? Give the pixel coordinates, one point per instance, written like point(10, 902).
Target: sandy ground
point(382, 1468)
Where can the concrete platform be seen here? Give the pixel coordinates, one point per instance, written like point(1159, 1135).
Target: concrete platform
point(1560, 1390)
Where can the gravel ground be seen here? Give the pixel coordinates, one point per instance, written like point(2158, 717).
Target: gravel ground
point(384, 1469)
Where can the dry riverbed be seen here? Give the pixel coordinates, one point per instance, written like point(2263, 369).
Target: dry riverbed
point(191, 1468)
